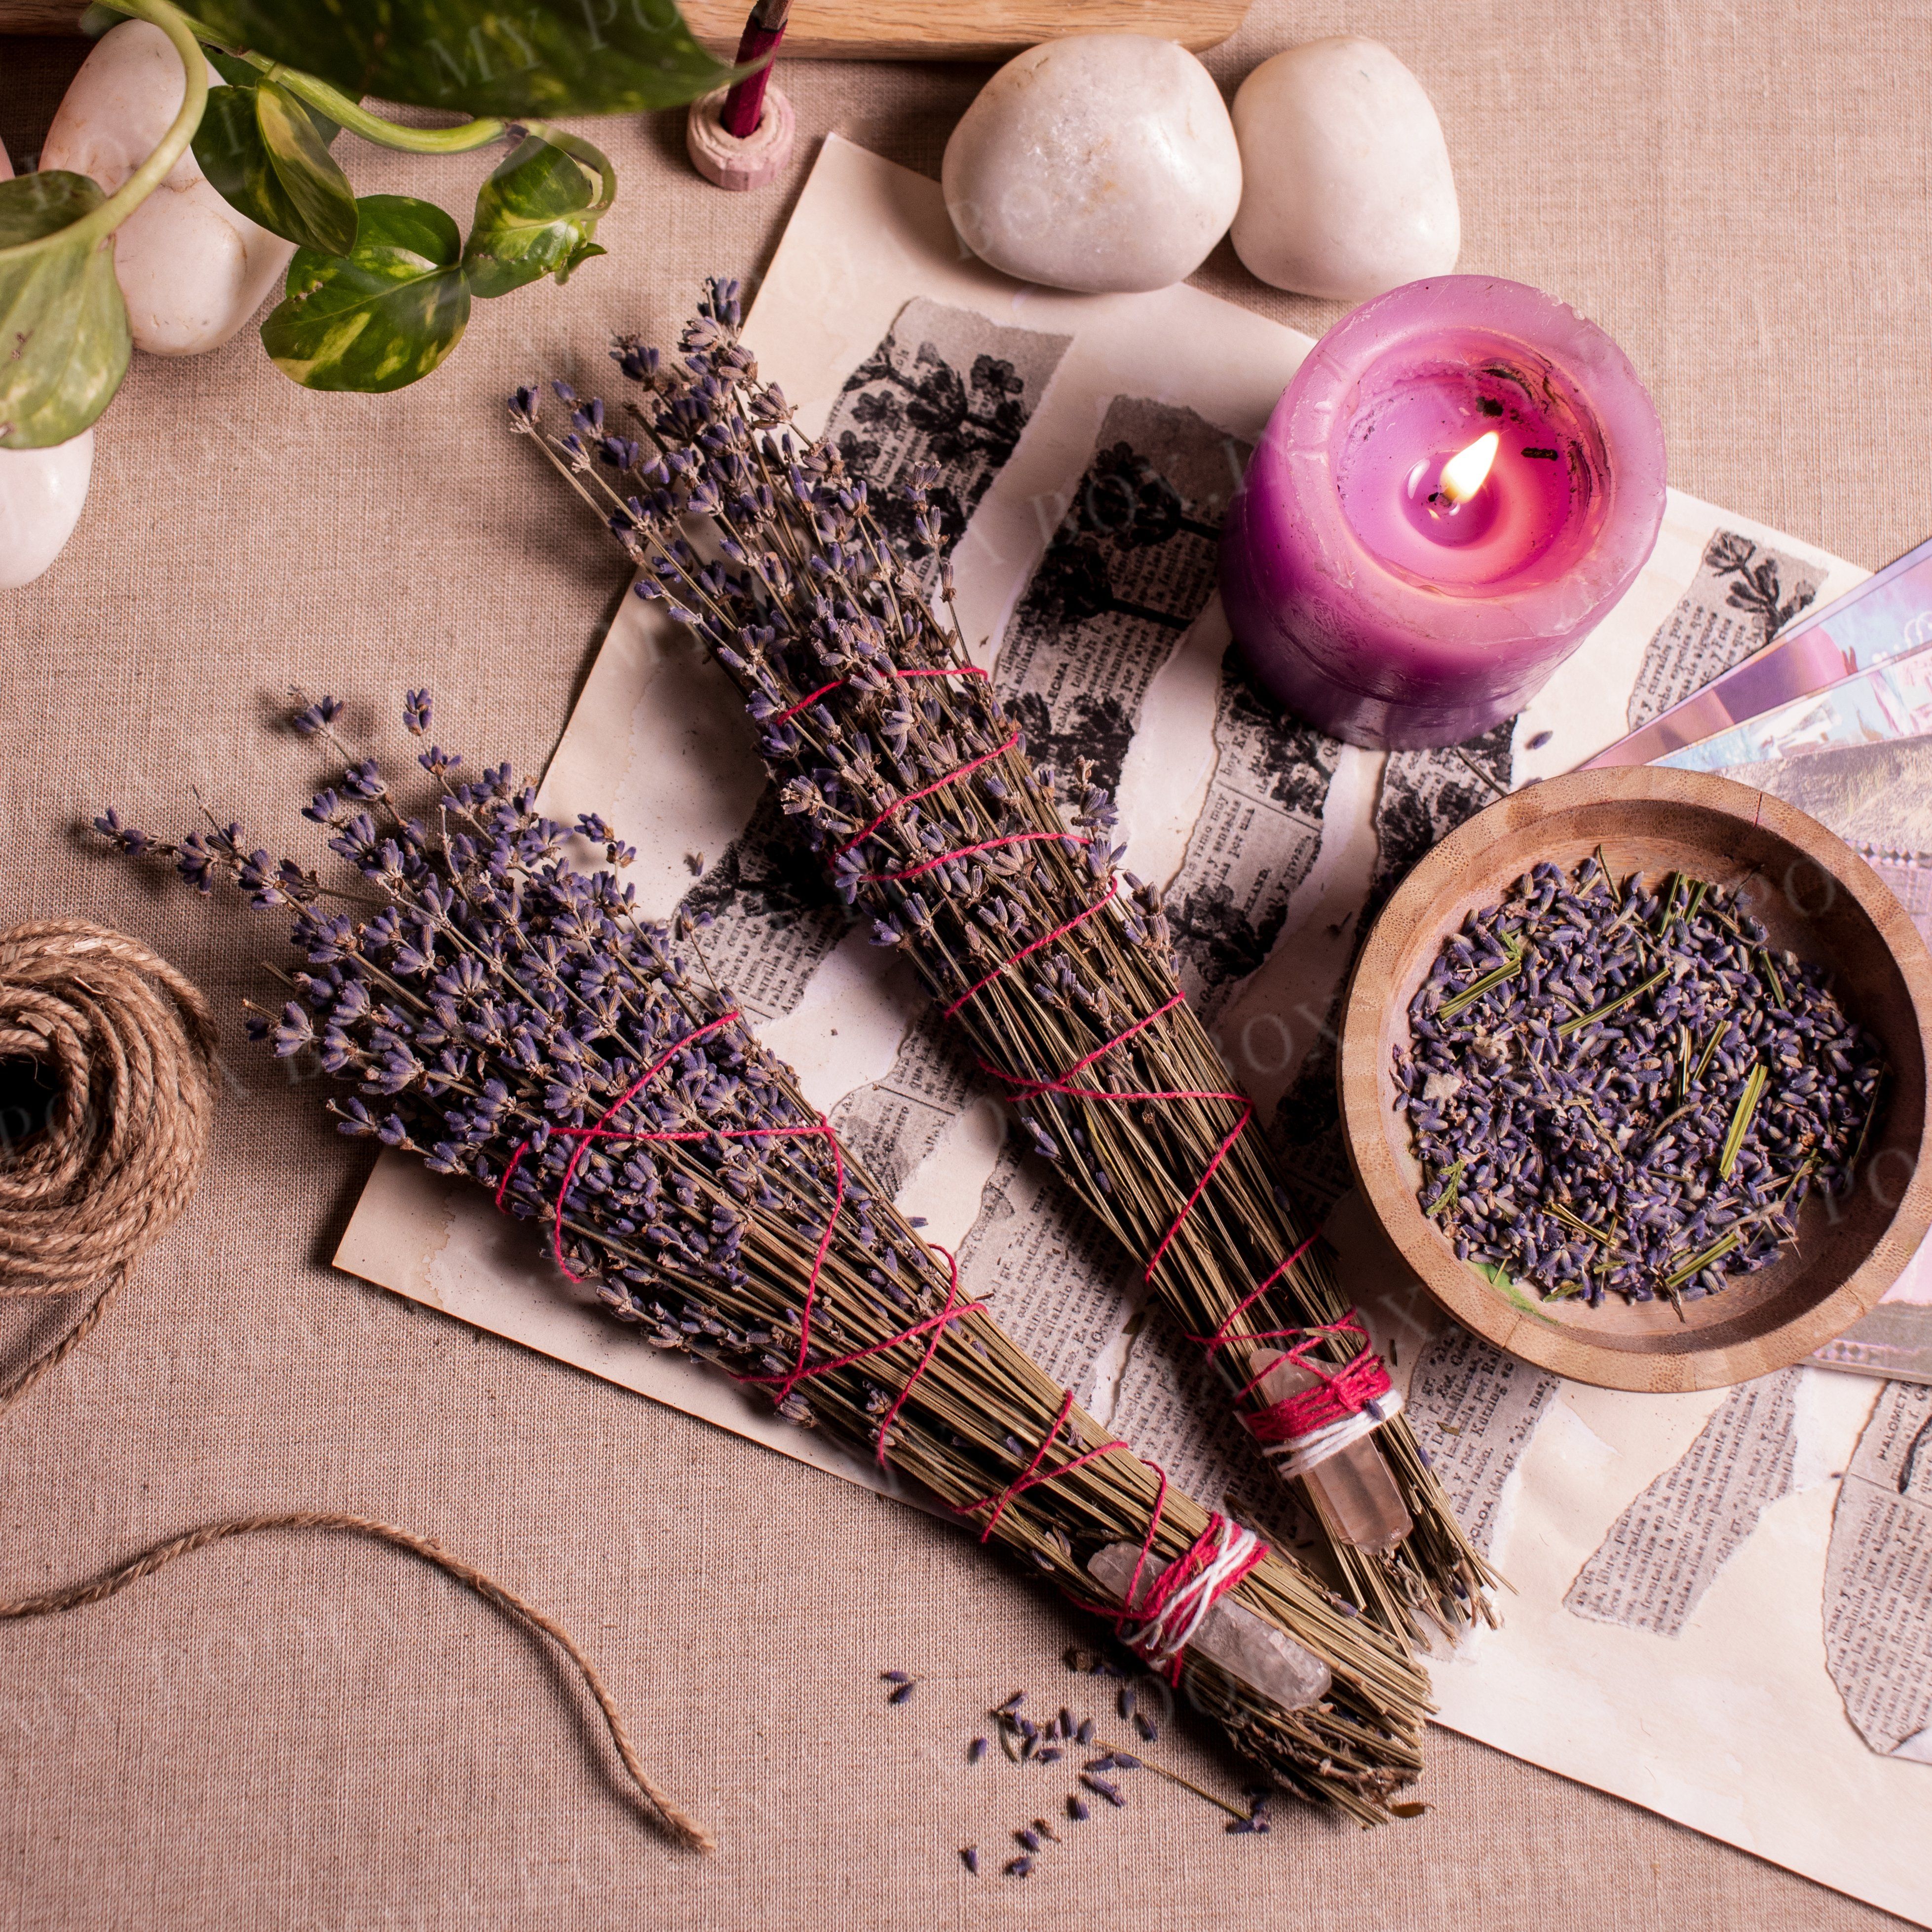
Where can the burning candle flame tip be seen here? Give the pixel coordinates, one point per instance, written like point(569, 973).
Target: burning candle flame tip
point(1464, 474)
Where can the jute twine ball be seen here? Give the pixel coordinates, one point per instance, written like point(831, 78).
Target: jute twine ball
point(126, 1046)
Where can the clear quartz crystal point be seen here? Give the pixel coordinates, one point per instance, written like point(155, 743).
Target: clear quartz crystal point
point(1245, 1646)
point(1352, 1490)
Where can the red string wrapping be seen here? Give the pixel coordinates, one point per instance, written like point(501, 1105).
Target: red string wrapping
point(968, 852)
point(1340, 1393)
point(1221, 1338)
point(1032, 1474)
point(1156, 1624)
point(805, 703)
point(939, 783)
point(1358, 1383)
point(803, 1369)
point(1046, 939)
point(1158, 1628)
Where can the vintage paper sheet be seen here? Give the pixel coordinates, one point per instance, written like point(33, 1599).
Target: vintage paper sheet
point(1670, 1640)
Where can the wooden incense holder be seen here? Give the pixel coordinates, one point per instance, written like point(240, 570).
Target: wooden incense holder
point(1817, 898)
point(727, 162)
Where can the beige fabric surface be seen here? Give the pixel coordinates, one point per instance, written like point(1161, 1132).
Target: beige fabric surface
point(307, 1732)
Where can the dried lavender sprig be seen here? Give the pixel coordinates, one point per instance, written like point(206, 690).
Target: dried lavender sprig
point(491, 1004)
point(862, 700)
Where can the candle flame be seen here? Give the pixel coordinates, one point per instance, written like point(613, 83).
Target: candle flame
point(1463, 474)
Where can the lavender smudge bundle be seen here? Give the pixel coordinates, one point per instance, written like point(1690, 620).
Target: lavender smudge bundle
point(918, 796)
point(508, 1017)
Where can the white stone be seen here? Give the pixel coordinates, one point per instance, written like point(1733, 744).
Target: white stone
point(1347, 191)
point(193, 270)
point(1104, 161)
point(41, 491)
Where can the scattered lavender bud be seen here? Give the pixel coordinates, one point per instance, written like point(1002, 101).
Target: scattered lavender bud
point(1028, 1838)
point(900, 1693)
point(1021, 1867)
point(893, 1677)
point(1050, 1754)
point(1101, 1788)
point(1046, 1831)
point(1127, 1761)
point(1146, 1726)
point(969, 1856)
point(976, 1750)
point(1126, 1700)
point(1076, 1808)
point(1012, 1705)
point(1083, 1733)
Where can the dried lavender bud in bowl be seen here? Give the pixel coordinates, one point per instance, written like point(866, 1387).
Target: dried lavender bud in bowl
point(1621, 1088)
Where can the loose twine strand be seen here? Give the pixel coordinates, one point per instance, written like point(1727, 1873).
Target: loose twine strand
point(130, 1045)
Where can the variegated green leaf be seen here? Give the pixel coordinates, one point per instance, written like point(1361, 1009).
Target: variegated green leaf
point(268, 156)
point(383, 316)
point(531, 220)
point(63, 338)
point(538, 58)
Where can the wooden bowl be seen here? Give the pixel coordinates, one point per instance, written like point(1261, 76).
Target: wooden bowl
point(1817, 898)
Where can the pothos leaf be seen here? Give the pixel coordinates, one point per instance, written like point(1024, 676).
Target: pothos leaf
point(384, 315)
point(310, 176)
point(540, 58)
point(268, 157)
point(531, 220)
point(64, 336)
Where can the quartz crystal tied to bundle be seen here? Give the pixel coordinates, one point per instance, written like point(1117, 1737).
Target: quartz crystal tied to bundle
point(513, 1020)
point(998, 878)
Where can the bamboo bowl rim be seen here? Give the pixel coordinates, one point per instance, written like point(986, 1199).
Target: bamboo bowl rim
point(1653, 818)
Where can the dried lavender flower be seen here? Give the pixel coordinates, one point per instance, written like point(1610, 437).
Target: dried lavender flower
point(1614, 1087)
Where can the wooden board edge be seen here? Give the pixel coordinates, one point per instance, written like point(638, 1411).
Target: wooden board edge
point(965, 30)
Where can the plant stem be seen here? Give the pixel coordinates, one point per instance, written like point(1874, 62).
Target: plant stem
point(340, 107)
point(1172, 1777)
point(148, 176)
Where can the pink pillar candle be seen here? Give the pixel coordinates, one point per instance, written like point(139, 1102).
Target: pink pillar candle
point(1393, 606)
